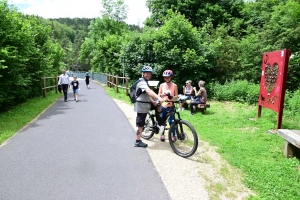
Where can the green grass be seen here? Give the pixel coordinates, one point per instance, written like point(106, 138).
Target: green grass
point(244, 143)
point(247, 145)
point(15, 119)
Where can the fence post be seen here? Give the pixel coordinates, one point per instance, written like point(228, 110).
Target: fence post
point(55, 81)
point(117, 82)
point(44, 86)
point(127, 86)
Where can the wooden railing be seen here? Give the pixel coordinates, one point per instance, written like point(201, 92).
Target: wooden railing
point(45, 87)
point(113, 81)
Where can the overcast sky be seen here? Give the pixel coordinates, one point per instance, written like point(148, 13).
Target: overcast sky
point(137, 10)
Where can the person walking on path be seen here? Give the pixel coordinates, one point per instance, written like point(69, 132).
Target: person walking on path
point(65, 83)
point(168, 91)
point(143, 103)
point(75, 86)
point(87, 80)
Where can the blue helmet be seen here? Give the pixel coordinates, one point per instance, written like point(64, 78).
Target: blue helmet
point(147, 69)
point(86, 73)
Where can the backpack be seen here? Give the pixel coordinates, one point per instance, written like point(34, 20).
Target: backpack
point(134, 93)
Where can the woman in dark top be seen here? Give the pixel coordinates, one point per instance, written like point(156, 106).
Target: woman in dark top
point(87, 80)
point(200, 96)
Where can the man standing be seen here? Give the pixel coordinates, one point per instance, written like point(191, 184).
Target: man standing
point(65, 83)
point(143, 103)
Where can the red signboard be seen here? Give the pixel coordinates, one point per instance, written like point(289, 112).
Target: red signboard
point(273, 82)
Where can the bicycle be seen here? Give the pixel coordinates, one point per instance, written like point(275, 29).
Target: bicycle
point(186, 142)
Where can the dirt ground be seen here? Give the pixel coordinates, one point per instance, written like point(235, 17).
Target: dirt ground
point(203, 176)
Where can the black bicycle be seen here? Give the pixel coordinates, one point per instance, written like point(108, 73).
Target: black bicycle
point(186, 142)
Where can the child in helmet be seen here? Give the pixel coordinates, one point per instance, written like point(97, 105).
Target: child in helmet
point(168, 91)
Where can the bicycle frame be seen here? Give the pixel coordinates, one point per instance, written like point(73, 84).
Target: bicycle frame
point(169, 113)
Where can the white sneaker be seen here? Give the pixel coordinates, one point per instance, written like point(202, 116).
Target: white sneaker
point(161, 129)
point(182, 109)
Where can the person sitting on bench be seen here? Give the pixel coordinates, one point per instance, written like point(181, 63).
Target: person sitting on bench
point(188, 91)
point(200, 96)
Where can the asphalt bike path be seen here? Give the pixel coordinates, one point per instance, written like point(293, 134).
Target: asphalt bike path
point(78, 150)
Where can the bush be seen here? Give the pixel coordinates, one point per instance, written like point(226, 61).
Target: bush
point(238, 91)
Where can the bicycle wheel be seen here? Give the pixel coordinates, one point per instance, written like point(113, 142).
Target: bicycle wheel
point(148, 131)
point(186, 142)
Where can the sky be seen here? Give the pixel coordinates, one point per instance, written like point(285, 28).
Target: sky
point(136, 14)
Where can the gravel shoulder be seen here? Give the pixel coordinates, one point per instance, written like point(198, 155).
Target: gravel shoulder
point(202, 176)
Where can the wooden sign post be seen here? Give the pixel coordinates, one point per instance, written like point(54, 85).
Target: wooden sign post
point(273, 82)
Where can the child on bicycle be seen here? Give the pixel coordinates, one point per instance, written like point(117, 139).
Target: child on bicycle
point(168, 91)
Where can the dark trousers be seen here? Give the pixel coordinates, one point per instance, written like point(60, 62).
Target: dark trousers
point(65, 88)
point(194, 103)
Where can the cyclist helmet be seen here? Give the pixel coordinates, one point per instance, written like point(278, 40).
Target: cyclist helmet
point(167, 73)
point(147, 69)
point(86, 73)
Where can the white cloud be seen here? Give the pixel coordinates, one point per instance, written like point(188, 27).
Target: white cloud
point(137, 10)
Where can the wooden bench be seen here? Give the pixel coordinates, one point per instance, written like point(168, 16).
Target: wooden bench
point(292, 142)
point(199, 108)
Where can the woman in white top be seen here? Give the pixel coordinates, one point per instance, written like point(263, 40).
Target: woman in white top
point(187, 91)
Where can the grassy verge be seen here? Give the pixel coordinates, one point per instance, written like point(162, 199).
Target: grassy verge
point(13, 120)
point(246, 145)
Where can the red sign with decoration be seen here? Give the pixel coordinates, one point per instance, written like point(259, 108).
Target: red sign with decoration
point(273, 82)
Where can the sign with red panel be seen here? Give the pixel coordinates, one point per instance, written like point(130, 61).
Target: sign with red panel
point(273, 82)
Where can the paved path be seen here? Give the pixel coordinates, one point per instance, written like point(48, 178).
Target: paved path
point(78, 151)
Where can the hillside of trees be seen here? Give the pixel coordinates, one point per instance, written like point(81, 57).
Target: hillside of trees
point(216, 41)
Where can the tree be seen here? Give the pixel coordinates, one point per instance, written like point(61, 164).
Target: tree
point(114, 10)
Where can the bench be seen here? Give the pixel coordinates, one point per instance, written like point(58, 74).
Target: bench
point(292, 142)
point(199, 108)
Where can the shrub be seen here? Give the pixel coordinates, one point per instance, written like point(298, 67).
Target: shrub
point(238, 91)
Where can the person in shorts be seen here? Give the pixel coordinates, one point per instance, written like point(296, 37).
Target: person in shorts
point(143, 103)
point(75, 86)
point(168, 91)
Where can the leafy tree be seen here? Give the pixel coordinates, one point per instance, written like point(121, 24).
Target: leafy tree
point(194, 10)
point(174, 46)
point(114, 10)
point(26, 54)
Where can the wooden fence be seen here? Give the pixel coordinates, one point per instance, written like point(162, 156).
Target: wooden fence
point(44, 87)
point(113, 81)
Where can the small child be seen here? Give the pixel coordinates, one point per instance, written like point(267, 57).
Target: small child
point(75, 85)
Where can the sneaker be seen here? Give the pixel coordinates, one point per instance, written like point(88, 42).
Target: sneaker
point(192, 113)
point(174, 138)
point(162, 138)
point(140, 144)
point(74, 99)
point(161, 129)
point(182, 109)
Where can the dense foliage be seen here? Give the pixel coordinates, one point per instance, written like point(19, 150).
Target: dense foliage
point(26, 54)
point(216, 41)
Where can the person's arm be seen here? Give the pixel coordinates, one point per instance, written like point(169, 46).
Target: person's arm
point(153, 94)
point(199, 92)
point(59, 80)
point(176, 92)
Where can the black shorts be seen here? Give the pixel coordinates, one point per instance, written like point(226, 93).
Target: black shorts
point(140, 119)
